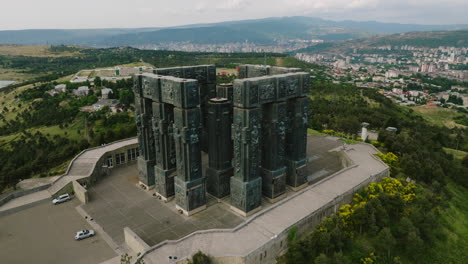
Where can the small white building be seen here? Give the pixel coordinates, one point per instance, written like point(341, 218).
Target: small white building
point(61, 88)
point(111, 103)
point(105, 93)
point(81, 91)
point(397, 91)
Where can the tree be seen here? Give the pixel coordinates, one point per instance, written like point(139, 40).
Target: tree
point(126, 97)
point(200, 258)
point(322, 259)
point(97, 81)
point(385, 240)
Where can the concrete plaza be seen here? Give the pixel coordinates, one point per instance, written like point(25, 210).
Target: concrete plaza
point(44, 234)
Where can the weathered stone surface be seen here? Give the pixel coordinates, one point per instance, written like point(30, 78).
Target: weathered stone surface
point(187, 127)
point(171, 90)
point(218, 181)
point(180, 92)
point(295, 172)
point(252, 92)
point(202, 73)
point(219, 129)
point(146, 171)
point(206, 77)
point(274, 123)
point(246, 135)
point(296, 133)
point(273, 182)
point(296, 140)
point(225, 90)
point(190, 195)
point(164, 181)
point(246, 196)
point(163, 120)
point(220, 152)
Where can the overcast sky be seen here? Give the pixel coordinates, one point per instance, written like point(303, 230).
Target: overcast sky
point(27, 14)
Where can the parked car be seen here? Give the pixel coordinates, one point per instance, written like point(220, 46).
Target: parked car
point(62, 198)
point(84, 234)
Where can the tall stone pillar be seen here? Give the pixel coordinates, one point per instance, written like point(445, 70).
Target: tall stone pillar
point(220, 170)
point(146, 159)
point(246, 184)
point(296, 142)
point(163, 120)
point(274, 121)
point(189, 182)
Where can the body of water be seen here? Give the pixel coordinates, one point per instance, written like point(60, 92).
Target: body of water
point(5, 83)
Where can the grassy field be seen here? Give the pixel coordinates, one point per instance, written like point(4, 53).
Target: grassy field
point(32, 51)
point(438, 116)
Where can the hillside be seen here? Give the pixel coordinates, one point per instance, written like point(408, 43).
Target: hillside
point(258, 31)
point(429, 39)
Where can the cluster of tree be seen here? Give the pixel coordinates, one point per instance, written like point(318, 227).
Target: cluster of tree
point(455, 99)
point(33, 154)
point(445, 83)
point(388, 221)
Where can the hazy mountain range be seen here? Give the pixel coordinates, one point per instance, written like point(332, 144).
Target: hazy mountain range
point(258, 31)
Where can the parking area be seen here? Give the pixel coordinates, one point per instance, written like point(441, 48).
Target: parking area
point(45, 234)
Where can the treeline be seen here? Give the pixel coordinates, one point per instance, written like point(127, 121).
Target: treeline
point(32, 154)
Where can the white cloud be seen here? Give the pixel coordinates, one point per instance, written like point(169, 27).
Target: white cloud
point(148, 13)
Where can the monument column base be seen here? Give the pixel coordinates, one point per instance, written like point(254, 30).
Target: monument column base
point(273, 183)
point(164, 183)
point(295, 173)
point(190, 196)
point(246, 196)
point(218, 182)
point(276, 199)
point(190, 213)
point(146, 171)
point(147, 188)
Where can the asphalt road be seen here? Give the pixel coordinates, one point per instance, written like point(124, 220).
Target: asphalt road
point(45, 234)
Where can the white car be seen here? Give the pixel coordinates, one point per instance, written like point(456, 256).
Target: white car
point(62, 198)
point(84, 234)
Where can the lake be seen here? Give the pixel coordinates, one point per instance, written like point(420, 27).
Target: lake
point(5, 83)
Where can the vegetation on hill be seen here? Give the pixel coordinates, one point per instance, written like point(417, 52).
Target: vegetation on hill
point(399, 220)
point(429, 39)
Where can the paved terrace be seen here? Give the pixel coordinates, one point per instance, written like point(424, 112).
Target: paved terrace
point(265, 226)
point(117, 202)
point(80, 167)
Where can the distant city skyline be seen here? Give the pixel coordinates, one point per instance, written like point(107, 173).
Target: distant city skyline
point(60, 14)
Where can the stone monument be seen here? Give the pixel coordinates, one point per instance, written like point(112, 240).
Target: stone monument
point(254, 131)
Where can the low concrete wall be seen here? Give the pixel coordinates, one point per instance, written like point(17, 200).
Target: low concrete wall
point(270, 251)
point(80, 192)
point(134, 242)
point(16, 194)
point(25, 206)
